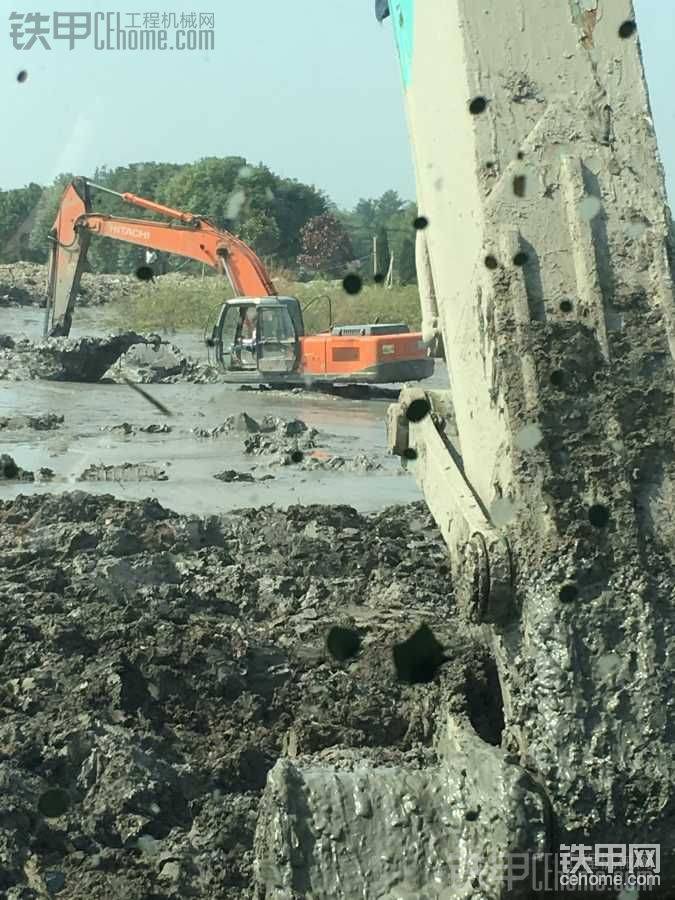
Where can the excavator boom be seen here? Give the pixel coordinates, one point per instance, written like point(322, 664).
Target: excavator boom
point(193, 237)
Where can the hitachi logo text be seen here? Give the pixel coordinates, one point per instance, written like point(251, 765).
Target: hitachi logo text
point(130, 232)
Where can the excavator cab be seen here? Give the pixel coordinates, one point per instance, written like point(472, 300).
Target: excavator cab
point(258, 336)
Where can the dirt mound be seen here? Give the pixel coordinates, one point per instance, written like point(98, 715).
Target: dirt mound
point(25, 283)
point(45, 422)
point(155, 666)
point(161, 362)
point(64, 359)
point(9, 471)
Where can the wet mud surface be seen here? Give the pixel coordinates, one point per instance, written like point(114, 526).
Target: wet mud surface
point(155, 666)
point(341, 437)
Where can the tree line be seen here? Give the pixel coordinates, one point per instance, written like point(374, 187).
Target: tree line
point(292, 225)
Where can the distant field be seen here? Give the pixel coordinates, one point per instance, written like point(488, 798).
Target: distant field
point(187, 303)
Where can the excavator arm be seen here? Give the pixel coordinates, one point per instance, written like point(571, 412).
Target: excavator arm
point(185, 235)
point(549, 466)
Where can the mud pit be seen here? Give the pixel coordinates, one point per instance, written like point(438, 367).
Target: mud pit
point(156, 666)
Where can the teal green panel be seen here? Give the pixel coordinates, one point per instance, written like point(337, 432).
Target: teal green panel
point(403, 16)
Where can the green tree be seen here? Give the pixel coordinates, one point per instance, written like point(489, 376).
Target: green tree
point(261, 232)
point(17, 213)
point(387, 206)
point(407, 271)
point(383, 251)
point(326, 247)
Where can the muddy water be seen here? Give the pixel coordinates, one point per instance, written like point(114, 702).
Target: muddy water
point(347, 428)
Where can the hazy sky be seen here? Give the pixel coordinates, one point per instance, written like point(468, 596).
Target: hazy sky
point(311, 88)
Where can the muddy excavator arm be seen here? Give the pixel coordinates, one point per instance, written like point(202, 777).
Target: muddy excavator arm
point(185, 235)
point(549, 467)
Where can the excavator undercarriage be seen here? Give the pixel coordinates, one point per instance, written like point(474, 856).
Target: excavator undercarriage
point(546, 271)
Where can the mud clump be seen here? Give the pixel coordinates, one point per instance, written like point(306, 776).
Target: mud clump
point(154, 667)
point(231, 475)
point(10, 471)
point(123, 472)
point(358, 463)
point(244, 424)
point(45, 422)
point(127, 429)
point(64, 359)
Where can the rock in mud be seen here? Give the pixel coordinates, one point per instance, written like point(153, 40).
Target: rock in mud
point(64, 359)
point(155, 667)
point(123, 472)
point(45, 422)
point(9, 471)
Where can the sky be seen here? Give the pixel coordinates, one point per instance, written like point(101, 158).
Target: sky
point(310, 88)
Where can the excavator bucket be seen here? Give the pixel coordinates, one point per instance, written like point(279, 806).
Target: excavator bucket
point(67, 255)
point(548, 465)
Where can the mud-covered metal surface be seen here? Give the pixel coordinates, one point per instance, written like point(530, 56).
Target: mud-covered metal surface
point(550, 252)
point(155, 667)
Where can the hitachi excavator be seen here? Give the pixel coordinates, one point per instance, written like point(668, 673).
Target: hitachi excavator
point(546, 268)
point(279, 352)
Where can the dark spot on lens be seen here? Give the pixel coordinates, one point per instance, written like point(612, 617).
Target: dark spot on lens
point(297, 456)
point(410, 454)
point(627, 29)
point(568, 593)
point(352, 283)
point(343, 643)
point(489, 165)
point(520, 258)
point(566, 306)
point(477, 106)
point(22, 76)
point(558, 378)
point(520, 155)
point(419, 658)
point(418, 409)
point(420, 223)
point(491, 262)
point(144, 273)
point(598, 515)
point(519, 185)
point(53, 802)
point(471, 815)
point(379, 278)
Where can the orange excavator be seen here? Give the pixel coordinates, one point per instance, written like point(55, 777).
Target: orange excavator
point(259, 337)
